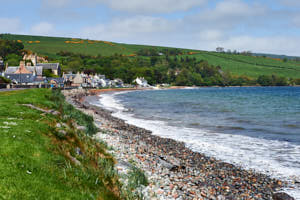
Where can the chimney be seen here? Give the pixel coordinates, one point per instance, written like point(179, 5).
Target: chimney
point(35, 60)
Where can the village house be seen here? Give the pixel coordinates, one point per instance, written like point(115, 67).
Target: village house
point(55, 82)
point(54, 67)
point(141, 82)
point(117, 83)
point(41, 61)
point(94, 81)
point(24, 74)
point(34, 58)
point(30, 74)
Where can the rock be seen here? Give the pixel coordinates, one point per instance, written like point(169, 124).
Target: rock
point(42, 110)
point(78, 151)
point(73, 160)
point(82, 128)
point(167, 164)
point(221, 197)
point(282, 196)
point(62, 132)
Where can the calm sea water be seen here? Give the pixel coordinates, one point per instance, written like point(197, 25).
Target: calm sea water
point(254, 127)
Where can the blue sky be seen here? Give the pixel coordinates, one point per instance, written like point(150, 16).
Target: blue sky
point(258, 25)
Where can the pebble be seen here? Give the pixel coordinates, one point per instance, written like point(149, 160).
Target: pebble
point(174, 171)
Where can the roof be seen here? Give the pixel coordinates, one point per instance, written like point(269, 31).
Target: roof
point(23, 70)
point(67, 76)
point(53, 66)
point(57, 80)
point(21, 78)
point(37, 69)
point(11, 70)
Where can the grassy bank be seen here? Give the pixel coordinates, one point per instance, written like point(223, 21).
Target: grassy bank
point(44, 156)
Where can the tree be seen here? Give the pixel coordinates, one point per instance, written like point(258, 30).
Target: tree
point(75, 65)
point(13, 59)
point(4, 80)
point(10, 47)
point(184, 78)
point(264, 80)
point(153, 60)
point(196, 79)
point(220, 49)
point(48, 73)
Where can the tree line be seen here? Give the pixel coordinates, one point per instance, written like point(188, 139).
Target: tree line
point(175, 70)
point(11, 51)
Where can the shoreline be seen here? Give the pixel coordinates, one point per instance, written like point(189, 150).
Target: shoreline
point(196, 175)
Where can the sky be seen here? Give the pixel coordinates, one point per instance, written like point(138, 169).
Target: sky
point(264, 26)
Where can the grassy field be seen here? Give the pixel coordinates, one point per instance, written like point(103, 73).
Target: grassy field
point(52, 45)
point(39, 156)
point(251, 66)
point(237, 64)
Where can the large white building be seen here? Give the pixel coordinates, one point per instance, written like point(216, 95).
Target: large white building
point(141, 81)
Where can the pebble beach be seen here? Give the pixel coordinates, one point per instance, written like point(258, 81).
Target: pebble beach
point(173, 171)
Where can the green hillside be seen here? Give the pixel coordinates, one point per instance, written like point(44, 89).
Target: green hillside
point(251, 66)
point(51, 45)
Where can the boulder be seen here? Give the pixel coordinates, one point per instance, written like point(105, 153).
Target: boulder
point(282, 196)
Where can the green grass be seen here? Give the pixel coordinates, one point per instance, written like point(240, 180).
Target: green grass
point(49, 46)
point(35, 159)
point(250, 66)
point(236, 64)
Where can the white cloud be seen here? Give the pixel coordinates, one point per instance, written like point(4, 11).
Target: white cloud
point(129, 28)
point(272, 44)
point(296, 20)
point(56, 3)
point(43, 28)
point(228, 14)
point(289, 3)
point(153, 6)
point(211, 35)
point(10, 25)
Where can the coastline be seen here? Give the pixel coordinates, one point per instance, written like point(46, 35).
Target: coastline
point(180, 172)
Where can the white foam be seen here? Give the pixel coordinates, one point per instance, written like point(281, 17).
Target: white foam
point(275, 158)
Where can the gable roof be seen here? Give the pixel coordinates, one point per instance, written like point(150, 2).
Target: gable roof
point(11, 70)
point(22, 70)
point(36, 69)
point(53, 66)
point(21, 78)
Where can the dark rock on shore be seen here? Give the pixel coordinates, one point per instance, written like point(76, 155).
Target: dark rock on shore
point(282, 196)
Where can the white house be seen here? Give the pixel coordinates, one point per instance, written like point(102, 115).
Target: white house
point(141, 81)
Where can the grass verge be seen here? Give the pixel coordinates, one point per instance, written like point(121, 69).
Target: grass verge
point(44, 156)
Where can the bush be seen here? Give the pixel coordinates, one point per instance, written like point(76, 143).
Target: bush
point(69, 112)
point(4, 80)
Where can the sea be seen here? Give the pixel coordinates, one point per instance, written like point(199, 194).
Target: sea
point(256, 128)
